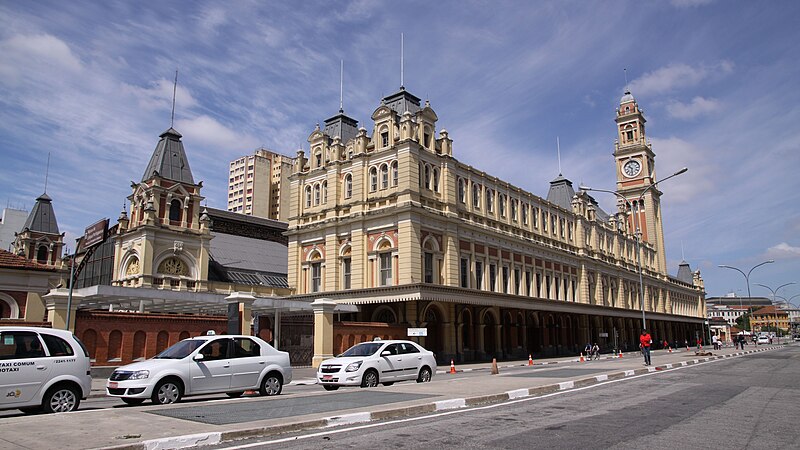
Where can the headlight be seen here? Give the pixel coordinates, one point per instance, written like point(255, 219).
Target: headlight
point(352, 367)
point(140, 375)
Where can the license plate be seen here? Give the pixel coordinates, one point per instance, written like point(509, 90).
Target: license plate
point(113, 384)
point(327, 377)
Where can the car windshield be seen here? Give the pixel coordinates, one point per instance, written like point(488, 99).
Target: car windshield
point(181, 350)
point(363, 349)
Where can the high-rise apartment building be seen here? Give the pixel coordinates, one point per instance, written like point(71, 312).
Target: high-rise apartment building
point(255, 185)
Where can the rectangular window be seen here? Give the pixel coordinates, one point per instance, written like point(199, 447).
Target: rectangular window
point(538, 285)
point(478, 275)
point(385, 139)
point(346, 262)
point(316, 277)
point(558, 288)
point(492, 277)
point(517, 281)
point(574, 289)
point(547, 286)
point(528, 283)
point(428, 267)
point(464, 272)
point(386, 269)
point(504, 288)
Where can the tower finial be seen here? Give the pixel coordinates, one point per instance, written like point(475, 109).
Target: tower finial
point(558, 147)
point(174, 91)
point(625, 72)
point(401, 61)
point(47, 172)
point(341, 86)
point(683, 257)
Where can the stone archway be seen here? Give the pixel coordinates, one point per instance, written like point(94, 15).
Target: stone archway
point(489, 330)
point(534, 333)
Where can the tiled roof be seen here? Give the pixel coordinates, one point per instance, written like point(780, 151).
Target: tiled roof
point(769, 310)
point(9, 260)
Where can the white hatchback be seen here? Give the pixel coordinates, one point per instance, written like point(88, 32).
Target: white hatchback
point(369, 363)
point(42, 369)
point(230, 364)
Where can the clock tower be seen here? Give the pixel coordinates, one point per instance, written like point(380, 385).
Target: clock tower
point(636, 173)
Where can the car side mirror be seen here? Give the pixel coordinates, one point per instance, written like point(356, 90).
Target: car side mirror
point(386, 353)
point(198, 357)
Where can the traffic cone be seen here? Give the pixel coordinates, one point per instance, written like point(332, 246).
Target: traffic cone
point(620, 353)
point(687, 347)
point(530, 360)
point(495, 370)
point(670, 349)
point(581, 360)
point(452, 367)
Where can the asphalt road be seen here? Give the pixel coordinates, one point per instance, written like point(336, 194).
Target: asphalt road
point(747, 402)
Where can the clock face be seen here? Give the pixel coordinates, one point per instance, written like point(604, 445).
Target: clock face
point(631, 168)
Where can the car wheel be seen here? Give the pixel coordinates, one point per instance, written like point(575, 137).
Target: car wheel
point(329, 387)
point(61, 398)
point(388, 383)
point(167, 391)
point(236, 394)
point(424, 375)
point(272, 384)
point(370, 379)
point(133, 401)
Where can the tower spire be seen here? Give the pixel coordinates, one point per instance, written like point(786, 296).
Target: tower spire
point(558, 149)
point(174, 90)
point(402, 83)
point(625, 72)
point(341, 86)
point(47, 172)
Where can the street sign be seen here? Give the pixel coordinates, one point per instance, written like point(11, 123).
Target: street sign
point(417, 332)
point(605, 335)
point(95, 233)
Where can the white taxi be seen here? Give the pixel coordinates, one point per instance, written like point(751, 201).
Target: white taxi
point(369, 363)
point(210, 364)
point(42, 369)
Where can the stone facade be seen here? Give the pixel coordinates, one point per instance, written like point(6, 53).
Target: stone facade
point(392, 218)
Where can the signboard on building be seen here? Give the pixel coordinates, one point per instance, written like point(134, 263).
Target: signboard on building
point(605, 335)
point(417, 332)
point(95, 233)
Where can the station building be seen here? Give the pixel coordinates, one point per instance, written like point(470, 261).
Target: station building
point(391, 221)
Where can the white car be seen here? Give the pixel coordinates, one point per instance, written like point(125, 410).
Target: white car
point(762, 340)
point(203, 365)
point(369, 363)
point(42, 369)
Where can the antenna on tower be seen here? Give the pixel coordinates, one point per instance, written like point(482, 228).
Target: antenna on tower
point(174, 91)
point(401, 61)
point(683, 257)
point(47, 172)
point(625, 71)
point(558, 147)
point(341, 86)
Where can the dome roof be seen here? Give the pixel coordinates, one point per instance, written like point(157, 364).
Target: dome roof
point(626, 98)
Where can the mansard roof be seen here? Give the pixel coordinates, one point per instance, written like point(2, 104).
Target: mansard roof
point(169, 159)
point(342, 126)
point(685, 272)
point(561, 192)
point(42, 218)
point(402, 101)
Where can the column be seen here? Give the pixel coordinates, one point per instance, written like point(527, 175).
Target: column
point(323, 330)
point(58, 304)
point(243, 303)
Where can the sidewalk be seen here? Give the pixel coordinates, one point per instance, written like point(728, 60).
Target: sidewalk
point(174, 426)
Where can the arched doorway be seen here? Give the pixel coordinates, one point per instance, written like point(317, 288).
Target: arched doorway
point(433, 322)
point(489, 341)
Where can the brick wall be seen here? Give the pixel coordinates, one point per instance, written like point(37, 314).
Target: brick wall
point(347, 334)
point(138, 335)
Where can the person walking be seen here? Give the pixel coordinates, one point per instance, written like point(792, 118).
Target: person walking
point(644, 343)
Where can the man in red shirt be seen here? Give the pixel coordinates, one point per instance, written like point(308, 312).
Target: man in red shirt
point(644, 343)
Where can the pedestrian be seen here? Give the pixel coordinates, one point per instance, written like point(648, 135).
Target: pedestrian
point(699, 344)
point(715, 341)
point(595, 351)
point(644, 343)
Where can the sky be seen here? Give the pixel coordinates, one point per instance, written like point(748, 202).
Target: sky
point(90, 84)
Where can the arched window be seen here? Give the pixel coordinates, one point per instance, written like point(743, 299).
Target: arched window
point(384, 137)
point(476, 195)
point(324, 192)
point(435, 180)
point(427, 176)
point(514, 210)
point(373, 179)
point(462, 190)
point(384, 176)
point(348, 186)
point(489, 200)
point(308, 196)
point(502, 202)
point(139, 341)
point(395, 175)
point(175, 211)
point(115, 345)
point(316, 194)
point(41, 254)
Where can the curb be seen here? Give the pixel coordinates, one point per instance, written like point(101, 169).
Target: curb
point(211, 438)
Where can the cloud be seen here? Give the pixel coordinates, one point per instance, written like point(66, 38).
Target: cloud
point(674, 76)
point(697, 107)
point(675, 153)
point(159, 95)
point(689, 3)
point(208, 132)
point(782, 251)
point(23, 55)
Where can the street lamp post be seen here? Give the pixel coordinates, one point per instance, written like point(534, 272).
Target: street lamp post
point(638, 231)
point(774, 295)
point(746, 279)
